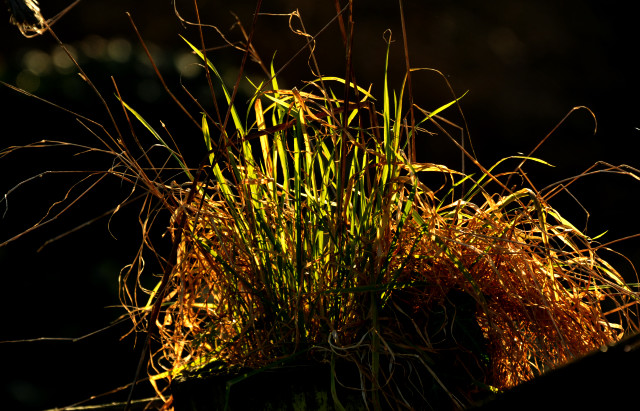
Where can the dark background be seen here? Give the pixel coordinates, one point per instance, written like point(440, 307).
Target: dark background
point(526, 64)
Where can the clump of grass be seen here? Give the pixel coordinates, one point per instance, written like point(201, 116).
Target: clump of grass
point(312, 234)
point(308, 232)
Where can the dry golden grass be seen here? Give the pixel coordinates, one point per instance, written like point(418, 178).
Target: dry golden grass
point(308, 232)
point(538, 286)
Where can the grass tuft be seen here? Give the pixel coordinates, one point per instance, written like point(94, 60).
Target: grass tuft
point(307, 232)
point(312, 234)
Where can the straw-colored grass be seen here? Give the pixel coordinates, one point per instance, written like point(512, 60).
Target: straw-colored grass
point(313, 235)
point(308, 232)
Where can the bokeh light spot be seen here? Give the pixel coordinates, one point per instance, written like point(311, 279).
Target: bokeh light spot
point(37, 62)
point(187, 64)
point(28, 81)
point(119, 49)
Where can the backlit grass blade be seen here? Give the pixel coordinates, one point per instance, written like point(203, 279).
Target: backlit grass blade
point(153, 132)
point(236, 118)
